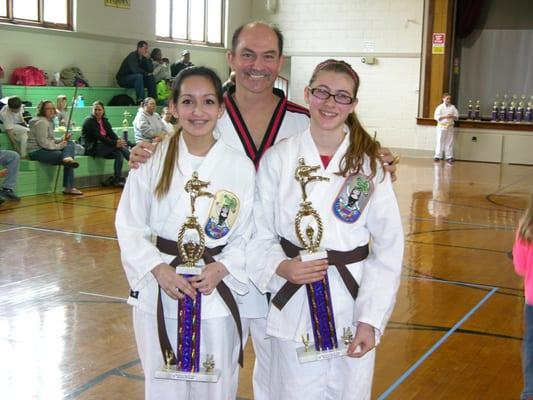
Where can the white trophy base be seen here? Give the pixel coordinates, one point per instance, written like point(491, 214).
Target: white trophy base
point(200, 376)
point(315, 255)
point(186, 270)
point(312, 355)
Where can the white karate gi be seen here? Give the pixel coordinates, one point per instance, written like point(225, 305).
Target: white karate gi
point(140, 217)
point(277, 202)
point(254, 306)
point(445, 131)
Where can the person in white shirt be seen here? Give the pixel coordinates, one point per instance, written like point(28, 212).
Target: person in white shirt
point(147, 125)
point(14, 125)
point(445, 115)
point(155, 203)
point(358, 209)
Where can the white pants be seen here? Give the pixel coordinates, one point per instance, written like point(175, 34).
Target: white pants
point(263, 351)
point(444, 143)
point(340, 378)
point(219, 337)
point(19, 137)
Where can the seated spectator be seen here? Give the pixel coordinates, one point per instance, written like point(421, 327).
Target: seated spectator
point(9, 161)
point(136, 71)
point(61, 111)
point(99, 140)
point(11, 116)
point(147, 124)
point(161, 68)
point(43, 146)
point(169, 121)
point(182, 63)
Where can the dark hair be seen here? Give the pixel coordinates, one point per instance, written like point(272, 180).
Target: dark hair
point(163, 185)
point(14, 103)
point(145, 101)
point(40, 107)
point(154, 52)
point(361, 142)
point(445, 94)
point(141, 43)
point(237, 33)
point(98, 103)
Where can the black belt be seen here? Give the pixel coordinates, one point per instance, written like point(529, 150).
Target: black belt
point(170, 247)
point(337, 258)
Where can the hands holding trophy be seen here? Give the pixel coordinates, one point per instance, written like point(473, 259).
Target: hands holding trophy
point(191, 246)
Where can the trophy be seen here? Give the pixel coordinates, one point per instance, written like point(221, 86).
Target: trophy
point(326, 344)
point(477, 111)
point(125, 125)
point(527, 114)
point(512, 110)
point(191, 246)
point(519, 116)
point(470, 112)
point(503, 109)
point(494, 113)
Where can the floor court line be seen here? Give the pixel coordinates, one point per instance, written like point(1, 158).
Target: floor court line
point(433, 348)
point(104, 296)
point(13, 228)
point(67, 232)
point(474, 225)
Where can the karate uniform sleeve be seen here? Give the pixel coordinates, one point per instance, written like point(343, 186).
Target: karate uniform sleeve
point(438, 113)
point(264, 253)
point(139, 256)
point(382, 268)
point(234, 254)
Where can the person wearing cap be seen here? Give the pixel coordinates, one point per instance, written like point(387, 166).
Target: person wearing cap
point(183, 63)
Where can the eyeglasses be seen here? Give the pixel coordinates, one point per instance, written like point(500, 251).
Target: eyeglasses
point(339, 98)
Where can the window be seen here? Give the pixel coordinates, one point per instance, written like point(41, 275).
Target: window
point(283, 84)
point(192, 21)
point(48, 13)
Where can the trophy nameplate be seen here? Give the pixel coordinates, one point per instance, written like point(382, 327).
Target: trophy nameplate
point(208, 372)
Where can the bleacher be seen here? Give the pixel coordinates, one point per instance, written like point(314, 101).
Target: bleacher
point(38, 178)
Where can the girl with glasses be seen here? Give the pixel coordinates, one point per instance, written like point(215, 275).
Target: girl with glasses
point(358, 210)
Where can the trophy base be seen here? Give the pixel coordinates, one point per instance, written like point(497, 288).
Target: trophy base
point(315, 255)
point(312, 355)
point(200, 376)
point(194, 270)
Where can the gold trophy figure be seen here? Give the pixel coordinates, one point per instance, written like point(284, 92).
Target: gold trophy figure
point(191, 248)
point(308, 237)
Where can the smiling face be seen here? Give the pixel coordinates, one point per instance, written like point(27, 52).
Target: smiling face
point(256, 59)
point(328, 115)
point(98, 111)
point(197, 108)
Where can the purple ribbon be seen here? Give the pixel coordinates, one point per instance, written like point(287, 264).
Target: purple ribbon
point(322, 319)
point(189, 322)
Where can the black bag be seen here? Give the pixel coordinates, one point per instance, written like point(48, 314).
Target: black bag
point(121, 100)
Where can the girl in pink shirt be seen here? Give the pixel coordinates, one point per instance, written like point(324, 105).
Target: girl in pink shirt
point(523, 264)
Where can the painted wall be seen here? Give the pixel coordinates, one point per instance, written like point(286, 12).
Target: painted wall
point(389, 30)
point(103, 37)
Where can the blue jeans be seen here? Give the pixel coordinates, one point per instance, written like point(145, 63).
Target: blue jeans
point(10, 160)
point(527, 352)
point(55, 157)
point(116, 153)
point(139, 82)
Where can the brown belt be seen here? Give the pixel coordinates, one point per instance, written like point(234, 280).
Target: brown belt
point(337, 258)
point(171, 247)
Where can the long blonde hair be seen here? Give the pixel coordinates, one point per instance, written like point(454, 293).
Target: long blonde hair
point(171, 158)
point(361, 142)
point(525, 225)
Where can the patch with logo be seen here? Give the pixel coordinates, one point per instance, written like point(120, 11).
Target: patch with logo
point(353, 198)
point(222, 215)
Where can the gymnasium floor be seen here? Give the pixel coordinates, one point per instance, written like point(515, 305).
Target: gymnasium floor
point(456, 332)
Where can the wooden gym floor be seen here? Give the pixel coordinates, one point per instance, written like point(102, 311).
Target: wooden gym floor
point(456, 331)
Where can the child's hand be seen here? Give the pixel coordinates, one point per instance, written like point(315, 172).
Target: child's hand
point(175, 285)
point(210, 277)
point(302, 272)
point(364, 341)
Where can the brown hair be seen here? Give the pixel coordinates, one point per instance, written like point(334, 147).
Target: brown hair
point(171, 157)
point(525, 225)
point(40, 107)
point(361, 142)
point(60, 98)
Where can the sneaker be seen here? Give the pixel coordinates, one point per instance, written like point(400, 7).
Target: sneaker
point(118, 183)
point(10, 194)
point(450, 160)
point(73, 191)
point(70, 162)
point(436, 159)
point(109, 181)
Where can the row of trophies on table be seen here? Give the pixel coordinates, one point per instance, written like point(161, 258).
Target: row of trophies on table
point(504, 111)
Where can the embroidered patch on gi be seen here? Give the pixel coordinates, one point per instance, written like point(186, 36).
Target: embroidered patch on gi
point(222, 215)
point(353, 198)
